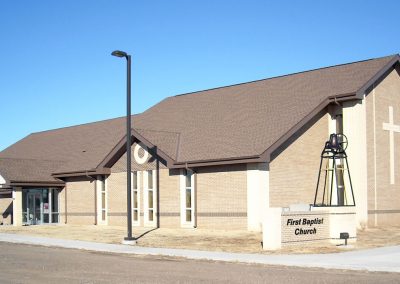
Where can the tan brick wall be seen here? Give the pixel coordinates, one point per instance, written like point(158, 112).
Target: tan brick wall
point(294, 171)
point(168, 193)
point(169, 186)
point(169, 199)
point(116, 190)
point(220, 194)
point(222, 197)
point(80, 195)
point(5, 210)
point(385, 94)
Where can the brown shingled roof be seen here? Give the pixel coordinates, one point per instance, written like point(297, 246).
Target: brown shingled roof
point(224, 123)
point(22, 171)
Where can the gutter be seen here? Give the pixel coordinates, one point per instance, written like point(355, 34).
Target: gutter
point(86, 173)
point(216, 162)
point(36, 183)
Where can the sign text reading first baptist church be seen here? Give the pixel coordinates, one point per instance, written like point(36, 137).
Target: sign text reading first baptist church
point(308, 225)
point(304, 227)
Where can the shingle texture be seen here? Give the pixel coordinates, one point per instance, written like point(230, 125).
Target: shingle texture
point(230, 122)
point(27, 170)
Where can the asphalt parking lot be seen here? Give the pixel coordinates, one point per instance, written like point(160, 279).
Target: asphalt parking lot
point(35, 264)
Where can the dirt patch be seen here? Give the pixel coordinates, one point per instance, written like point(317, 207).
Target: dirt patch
point(200, 239)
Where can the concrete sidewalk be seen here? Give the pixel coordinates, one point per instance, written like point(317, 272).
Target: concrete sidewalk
point(385, 259)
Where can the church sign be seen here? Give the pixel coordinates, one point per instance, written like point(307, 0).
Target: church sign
point(304, 226)
point(283, 227)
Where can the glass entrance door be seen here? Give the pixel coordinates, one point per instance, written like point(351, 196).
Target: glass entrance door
point(34, 208)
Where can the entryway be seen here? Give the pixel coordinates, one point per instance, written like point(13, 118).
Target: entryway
point(40, 206)
point(34, 210)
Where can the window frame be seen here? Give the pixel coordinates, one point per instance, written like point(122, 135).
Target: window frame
point(102, 185)
point(138, 195)
point(146, 208)
point(183, 191)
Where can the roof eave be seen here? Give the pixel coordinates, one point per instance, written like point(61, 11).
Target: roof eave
point(266, 155)
point(358, 95)
point(91, 172)
point(216, 162)
point(379, 75)
point(120, 149)
point(15, 183)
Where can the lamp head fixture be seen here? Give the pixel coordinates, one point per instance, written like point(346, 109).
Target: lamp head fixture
point(119, 53)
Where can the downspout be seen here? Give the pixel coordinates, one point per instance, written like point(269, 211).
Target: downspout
point(96, 221)
point(88, 176)
point(66, 206)
point(158, 216)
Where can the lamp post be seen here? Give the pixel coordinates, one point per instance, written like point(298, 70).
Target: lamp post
point(128, 239)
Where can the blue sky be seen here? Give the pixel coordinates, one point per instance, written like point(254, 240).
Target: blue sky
point(56, 69)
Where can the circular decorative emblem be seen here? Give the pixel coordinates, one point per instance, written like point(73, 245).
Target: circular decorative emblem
point(140, 153)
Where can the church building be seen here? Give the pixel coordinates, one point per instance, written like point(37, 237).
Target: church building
point(218, 158)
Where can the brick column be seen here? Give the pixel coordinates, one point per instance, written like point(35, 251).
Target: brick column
point(17, 206)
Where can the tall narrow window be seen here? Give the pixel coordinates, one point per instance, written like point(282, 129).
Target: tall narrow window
point(150, 195)
point(103, 199)
point(188, 195)
point(187, 199)
point(135, 197)
point(54, 206)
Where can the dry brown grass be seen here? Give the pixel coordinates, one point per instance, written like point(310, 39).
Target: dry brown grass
point(200, 239)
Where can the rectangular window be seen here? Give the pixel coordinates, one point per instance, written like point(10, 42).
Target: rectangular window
point(103, 199)
point(135, 196)
point(187, 199)
point(150, 200)
point(54, 206)
point(188, 179)
point(135, 180)
point(150, 179)
point(188, 196)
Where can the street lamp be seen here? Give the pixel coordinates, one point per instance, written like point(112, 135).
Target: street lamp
point(129, 239)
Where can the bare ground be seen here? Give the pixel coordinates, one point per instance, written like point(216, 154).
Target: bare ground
point(200, 239)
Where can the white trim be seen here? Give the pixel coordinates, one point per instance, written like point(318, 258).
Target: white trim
point(355, 128)
point(182, 190)
point(99, 193)
point(375, 170)
point(138, 189)
point(58, 205)
point(147, 222)
point(138, 159)
point(50, 194)
point(257, 195)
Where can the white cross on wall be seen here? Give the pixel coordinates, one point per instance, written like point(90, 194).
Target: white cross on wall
point(392, 128)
